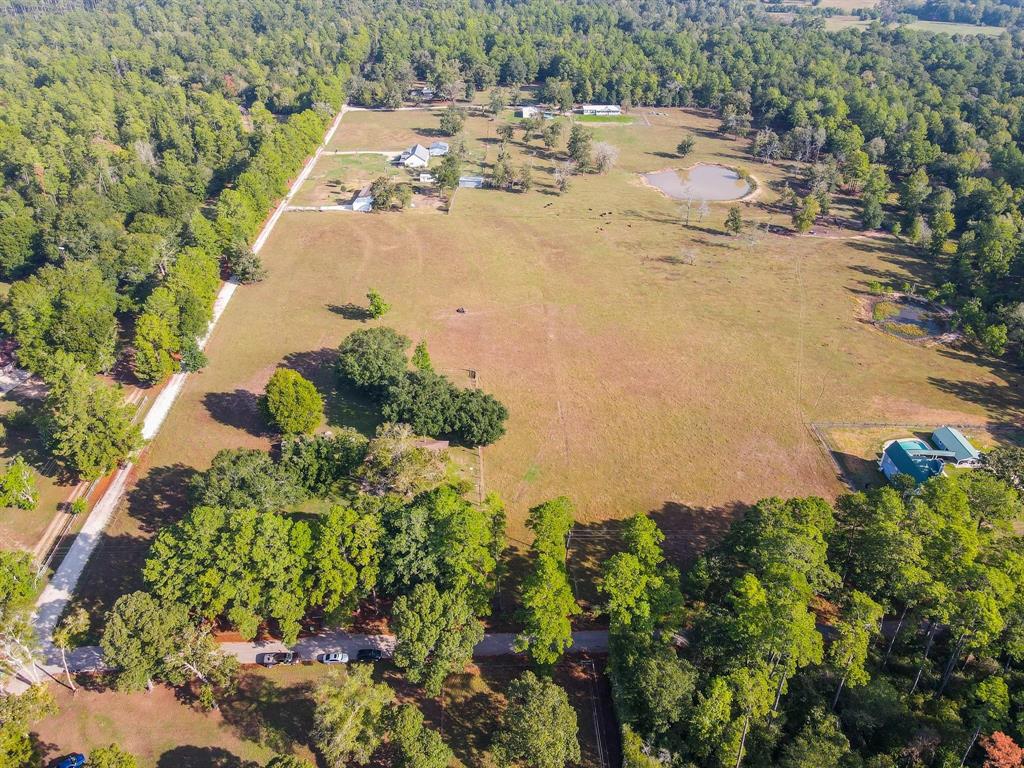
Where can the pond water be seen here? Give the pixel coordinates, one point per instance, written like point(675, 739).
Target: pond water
point(912, 320)
point(702, 182)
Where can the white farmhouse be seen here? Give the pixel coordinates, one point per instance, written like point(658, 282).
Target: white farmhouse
point(417, 156)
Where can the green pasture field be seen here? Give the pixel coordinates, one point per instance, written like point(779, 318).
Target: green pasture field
point(272, 712)
point(617, 119)
point(837, 23)
point(647, 365)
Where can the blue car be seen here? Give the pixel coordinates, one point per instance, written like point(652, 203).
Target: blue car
point(71, 761)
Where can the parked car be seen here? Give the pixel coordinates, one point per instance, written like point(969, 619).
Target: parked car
point(370, 654)
point(338, 657)
point(76, 760)
point(279, 657)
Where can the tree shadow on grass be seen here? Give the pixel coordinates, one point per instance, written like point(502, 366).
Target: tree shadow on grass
point(274, 716)
point(690, 530)
point(343, 405)
point(115, 569)
point(157, 500)
point(856, 471)
point(161, 496)
point(239, 409)
point(351, 311)
point(471, 716)
point(202, 757)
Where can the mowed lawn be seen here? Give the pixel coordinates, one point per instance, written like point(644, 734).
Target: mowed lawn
point(647, 366)
point(271, 712)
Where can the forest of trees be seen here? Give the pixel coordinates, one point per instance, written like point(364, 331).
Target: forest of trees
point(884, 631)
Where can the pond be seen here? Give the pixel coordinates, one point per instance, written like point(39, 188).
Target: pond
point(701, 182)
point(907, 318)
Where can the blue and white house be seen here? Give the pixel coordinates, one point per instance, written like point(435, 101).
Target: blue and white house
point(916, 458)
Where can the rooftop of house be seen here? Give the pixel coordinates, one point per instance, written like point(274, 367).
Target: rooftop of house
point(915, 458)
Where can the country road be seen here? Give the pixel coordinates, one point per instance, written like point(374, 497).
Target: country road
point(90, 658)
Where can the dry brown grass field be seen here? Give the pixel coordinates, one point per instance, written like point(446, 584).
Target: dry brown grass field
point(648, 366)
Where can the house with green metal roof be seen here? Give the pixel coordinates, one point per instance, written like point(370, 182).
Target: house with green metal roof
point(952, 439)
point(913, 457)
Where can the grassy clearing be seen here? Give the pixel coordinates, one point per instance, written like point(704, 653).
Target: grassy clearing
point(337, 178)
point(837, 23)
point(647, 366)
point(271, 712)
point(952, 28)
point(616, 119)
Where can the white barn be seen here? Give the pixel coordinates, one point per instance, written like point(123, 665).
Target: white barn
point(601, 109)
point(527, 112)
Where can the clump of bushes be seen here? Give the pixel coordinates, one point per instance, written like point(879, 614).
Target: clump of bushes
point(375, 361)
point(876, 288)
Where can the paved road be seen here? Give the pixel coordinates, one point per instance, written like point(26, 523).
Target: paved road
point(90, 658)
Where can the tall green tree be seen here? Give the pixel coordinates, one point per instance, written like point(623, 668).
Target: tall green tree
point(418, 746)
point(87, 425)
point(373, 358)
point(18, 485)
point(292, 402)
point(245, 478)
point(547, 600)
point(139, 635)
point(435, 635)
point(350, 718)
point(539, 727)
point(848, 650)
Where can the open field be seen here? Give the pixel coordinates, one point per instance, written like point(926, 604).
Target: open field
point(338, 177)
point(648, 366)
point(836, 23)
point(272, 711)
point(953, 28)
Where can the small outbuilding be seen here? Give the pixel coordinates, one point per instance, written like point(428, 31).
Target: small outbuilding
point(527, 112)
point(471, 182)
point(363, 201)
point(438, 148)
point(953, 440)
point(417, 156)
point(426, 178)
